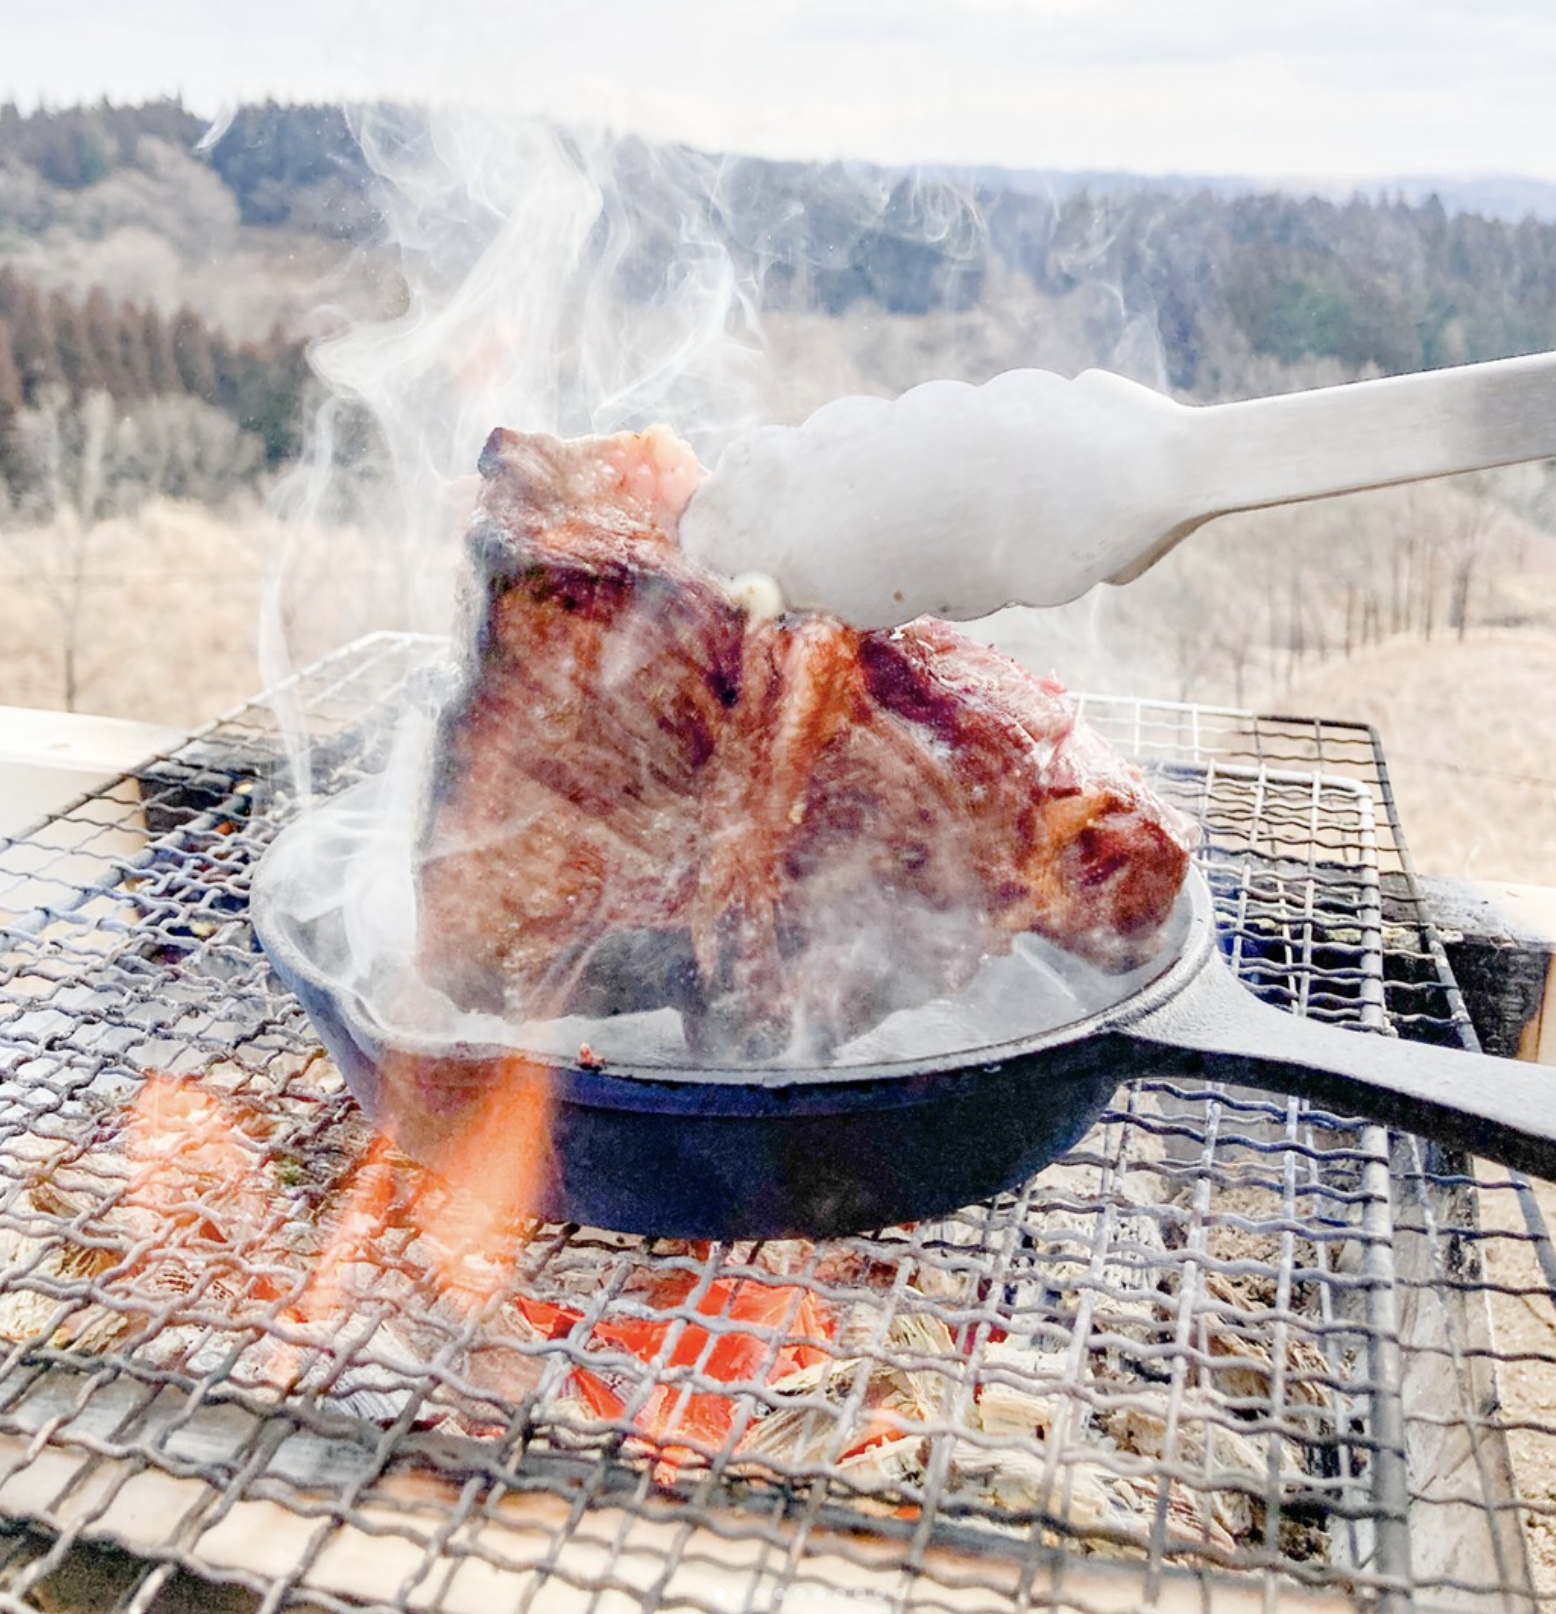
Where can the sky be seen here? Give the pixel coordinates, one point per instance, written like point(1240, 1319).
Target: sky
point(1322, 89)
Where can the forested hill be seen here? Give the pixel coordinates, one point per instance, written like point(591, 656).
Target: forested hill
point(161, 282)
point(1242, 291)
point(1379, 284)
point(1384, 284)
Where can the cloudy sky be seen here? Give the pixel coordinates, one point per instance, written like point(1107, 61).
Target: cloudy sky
point(1326, 88)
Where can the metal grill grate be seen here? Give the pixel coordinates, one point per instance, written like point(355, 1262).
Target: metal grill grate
point(1230, 1345)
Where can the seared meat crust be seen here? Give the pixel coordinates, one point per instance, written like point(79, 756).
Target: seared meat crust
point(785, 829)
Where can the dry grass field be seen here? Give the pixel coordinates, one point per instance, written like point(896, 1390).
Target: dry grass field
point(1469, 734)
point(159, 618)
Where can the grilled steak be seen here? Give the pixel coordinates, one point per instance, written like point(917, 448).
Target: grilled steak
point(783, 828)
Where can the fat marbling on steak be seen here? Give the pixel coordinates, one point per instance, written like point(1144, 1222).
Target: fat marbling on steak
point(785, 828)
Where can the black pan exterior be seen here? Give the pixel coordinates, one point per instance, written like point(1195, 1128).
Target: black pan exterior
point(764, 1153)
point(755, 1159)
point(741, 1153)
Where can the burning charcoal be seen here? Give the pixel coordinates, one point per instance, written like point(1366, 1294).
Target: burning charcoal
point(784, 1258)
point(659, 1353)
point(1243, 1365)
point(390, 1319)
point(1234, 1465)
point(371, 1373)
point(1098, 1196)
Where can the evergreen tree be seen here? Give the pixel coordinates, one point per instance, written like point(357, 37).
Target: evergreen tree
point(192, 354)
point(11, 398)
point(77, 362)
point(268, 379)
point(134, 360)
point(11, 402)
point(162, 374)
point(102, 321)
point(32, 342)
point(224, 362)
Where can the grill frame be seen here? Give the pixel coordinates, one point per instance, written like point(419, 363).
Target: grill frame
point(1416, 1206)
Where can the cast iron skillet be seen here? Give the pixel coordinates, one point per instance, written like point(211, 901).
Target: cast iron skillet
point(753, 1153)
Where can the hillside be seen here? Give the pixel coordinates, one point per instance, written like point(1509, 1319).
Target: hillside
point(160, 283)
point(123, 199)
point(1469, 733)
point(1508, 197)
point(244, 222)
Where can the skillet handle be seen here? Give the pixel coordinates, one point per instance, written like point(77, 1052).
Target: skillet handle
point(1500, 1109)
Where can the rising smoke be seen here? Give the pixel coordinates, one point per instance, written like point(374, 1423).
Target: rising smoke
point(572, 282)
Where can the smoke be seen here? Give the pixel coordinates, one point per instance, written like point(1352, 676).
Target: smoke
point(573, 282)
point(335, 905)
point(564, 281)
point(557, 280)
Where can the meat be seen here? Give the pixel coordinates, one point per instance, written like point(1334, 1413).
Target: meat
point(784, 828)
point(599, 671)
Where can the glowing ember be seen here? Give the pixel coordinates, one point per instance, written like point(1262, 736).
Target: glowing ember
point(786, 1324)
point(192, 1146)
point(208, 1236)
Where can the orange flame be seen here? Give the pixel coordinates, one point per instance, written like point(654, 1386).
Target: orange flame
point(491, 1152)
point(194, 1164)
point(358, 1227)
point(488, 1144)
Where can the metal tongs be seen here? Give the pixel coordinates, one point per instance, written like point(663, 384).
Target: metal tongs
point(1029, 490)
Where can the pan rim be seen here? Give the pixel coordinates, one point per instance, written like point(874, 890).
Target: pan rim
point(1180, 962)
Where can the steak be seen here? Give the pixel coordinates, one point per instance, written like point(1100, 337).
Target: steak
point(784, 828)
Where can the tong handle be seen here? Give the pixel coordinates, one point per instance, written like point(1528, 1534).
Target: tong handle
point(1371, 434)
point(1362, 434)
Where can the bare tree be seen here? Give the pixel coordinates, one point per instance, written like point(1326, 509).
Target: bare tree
point(1467, 532)
point(84, 461)
point(67, 448)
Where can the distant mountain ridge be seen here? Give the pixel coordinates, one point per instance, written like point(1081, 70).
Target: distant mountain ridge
point(1209, 287)
point(1508, 197)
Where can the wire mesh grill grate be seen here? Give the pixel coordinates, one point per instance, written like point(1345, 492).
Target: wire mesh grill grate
point(1230, 1343)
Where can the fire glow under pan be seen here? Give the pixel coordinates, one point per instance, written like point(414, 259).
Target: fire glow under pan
point(1230, 1346)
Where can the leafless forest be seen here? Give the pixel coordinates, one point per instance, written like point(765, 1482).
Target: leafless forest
point(156, 308)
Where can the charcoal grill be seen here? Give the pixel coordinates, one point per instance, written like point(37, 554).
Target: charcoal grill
point(1231, 1350)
